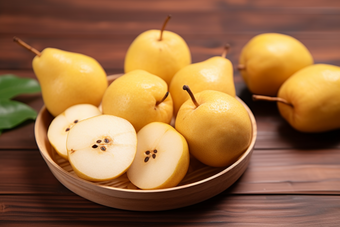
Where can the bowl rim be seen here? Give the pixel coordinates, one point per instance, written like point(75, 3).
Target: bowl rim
point(175, 188)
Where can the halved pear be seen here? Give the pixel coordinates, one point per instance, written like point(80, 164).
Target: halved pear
point(162, 157)
point(61, 125)
point(102, 147)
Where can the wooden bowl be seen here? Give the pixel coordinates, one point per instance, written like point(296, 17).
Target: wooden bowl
point(200, 183)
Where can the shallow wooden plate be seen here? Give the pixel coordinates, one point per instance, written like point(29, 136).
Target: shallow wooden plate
point(200, 183)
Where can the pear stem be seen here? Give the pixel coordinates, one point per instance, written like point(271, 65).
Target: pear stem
point(271, 99)
point(165, 96)
point(164, 25)
point(186, 87)
point(25, 45)
point(241, 67)
point(226, 50)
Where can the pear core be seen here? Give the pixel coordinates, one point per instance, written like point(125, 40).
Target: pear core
point(162, 158)
point(102, 147)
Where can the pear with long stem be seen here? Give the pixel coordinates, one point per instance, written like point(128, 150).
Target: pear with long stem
point(309, 99)
point(67, 78)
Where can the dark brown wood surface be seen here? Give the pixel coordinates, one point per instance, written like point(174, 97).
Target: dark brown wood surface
point(293, 178)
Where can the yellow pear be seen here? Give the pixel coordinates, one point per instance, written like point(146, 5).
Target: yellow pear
point(216, 126)
point(67, 78)
point(310, 99)
point(159, 52)
point(162, 157)
point(269, 59)
point(215, 73)
point(139, 97)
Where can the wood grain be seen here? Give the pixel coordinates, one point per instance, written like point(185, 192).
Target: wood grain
point(292, 179)
point(248, 210)
point(291, 171)
point(110, 52)
point(84, 17)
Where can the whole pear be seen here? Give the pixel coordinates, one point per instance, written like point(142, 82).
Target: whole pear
point(215, 73)
point(269, 59)
point(312, 98)
point(67, 78)
point(158, 52)
point(216, 126)
point(139, 97)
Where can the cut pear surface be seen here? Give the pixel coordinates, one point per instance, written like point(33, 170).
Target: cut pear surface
point(101, 147)
point(162, 158)
point(62, 124)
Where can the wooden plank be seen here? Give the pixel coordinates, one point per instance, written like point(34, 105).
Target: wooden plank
point(296, 210)
point(25, 172)
point(204, 17)
point(292, 171)
point(110, 53)
point(178, 5)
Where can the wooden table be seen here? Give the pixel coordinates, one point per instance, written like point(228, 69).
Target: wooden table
point(293, 178)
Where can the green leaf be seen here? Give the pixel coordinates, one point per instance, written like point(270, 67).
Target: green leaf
point(13, 113)
point(11, 86)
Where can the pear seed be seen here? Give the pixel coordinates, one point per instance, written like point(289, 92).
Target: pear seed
point(103, 148)
point(98, 141)
point(146, 159)
point(106, 140)
point(76, 121)
point(67, 129)
point(155, 151)
point(154, 156)
point(147, 152)
point(95, 146)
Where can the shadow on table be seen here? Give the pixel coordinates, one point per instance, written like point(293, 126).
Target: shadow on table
point(282, 131)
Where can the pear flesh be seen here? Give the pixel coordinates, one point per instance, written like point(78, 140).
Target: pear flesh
point(102, 147)
point(162, 158)
point(313, 93)
point(68, 79)
point(61, 125)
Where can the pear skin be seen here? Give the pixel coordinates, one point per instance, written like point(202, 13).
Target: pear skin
point(216, 126)
point(68, 79)
point(162, 58)
point(215, 73)
point(139, 97)
point(269, 59)
point(314, 95)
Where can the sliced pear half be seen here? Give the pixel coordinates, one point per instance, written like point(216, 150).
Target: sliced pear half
point(62, 124)
point(102, 147)
point(162, 158)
